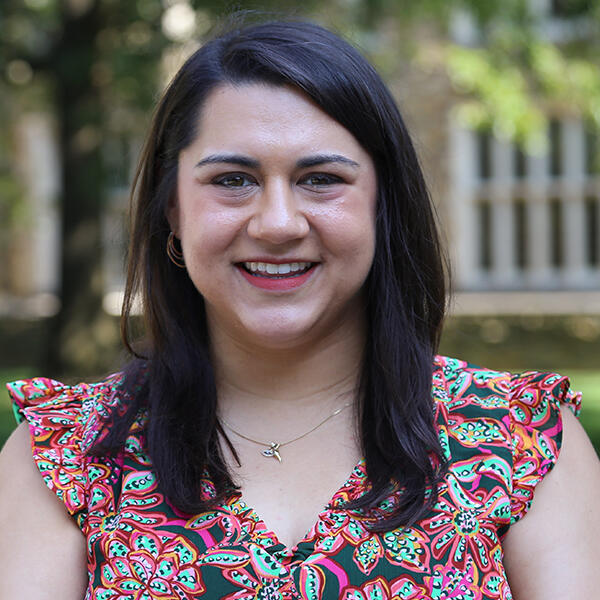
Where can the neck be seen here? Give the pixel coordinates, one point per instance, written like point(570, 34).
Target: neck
point(322, 374)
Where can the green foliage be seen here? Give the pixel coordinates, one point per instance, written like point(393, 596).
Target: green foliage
point(511, 72)
point(527, 65)
point(515, 94)
point(499, 96)
point(513, 65)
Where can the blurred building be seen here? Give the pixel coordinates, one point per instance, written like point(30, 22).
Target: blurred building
point(523, 230)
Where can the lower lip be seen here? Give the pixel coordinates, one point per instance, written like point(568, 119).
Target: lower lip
point(277, 283)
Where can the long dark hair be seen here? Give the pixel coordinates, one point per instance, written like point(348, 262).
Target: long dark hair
point(172, 376)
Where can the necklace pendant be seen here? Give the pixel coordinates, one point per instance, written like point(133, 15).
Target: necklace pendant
point(272, 451)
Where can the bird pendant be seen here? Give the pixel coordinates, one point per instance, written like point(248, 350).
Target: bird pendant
point(272, 451)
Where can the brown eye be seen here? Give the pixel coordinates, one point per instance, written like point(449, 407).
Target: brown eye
point(233, 180)
point(320, 180)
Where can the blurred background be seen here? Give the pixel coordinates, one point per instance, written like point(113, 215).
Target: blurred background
point(503, 99)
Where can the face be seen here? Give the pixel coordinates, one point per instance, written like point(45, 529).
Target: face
point(275, 210)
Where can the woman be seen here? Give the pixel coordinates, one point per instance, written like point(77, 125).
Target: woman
point(279, 434)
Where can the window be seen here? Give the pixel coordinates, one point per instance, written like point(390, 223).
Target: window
point(519, 162)
point(485, 234)
point(592, 220)
point(528, 221)
point(592, 150)
point(555, 134)
point(484, 139)
point(520, 218)
point(556, 232)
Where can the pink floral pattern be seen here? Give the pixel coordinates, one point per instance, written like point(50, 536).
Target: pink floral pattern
point(146, 566)
point(501, 434)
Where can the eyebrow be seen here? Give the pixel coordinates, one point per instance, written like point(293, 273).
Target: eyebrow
point(245, 161)
point(322, 159)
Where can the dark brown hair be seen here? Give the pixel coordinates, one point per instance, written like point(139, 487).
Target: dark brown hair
point(172, 376)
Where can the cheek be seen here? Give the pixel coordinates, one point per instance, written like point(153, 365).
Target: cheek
point(207, 233)
point(361, 250)
point(359, 239)
point(205, 240)
point(348, 231)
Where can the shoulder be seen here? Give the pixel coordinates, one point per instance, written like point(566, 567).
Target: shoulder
point(554, 550)
point(510, 422)
point(17, 466)
point(15, 458)
point(38, 392)
point(530, 396)
point(526, 404)
point(39, 541)
point(41, 391)
point(517, 434)
point(72, 411)
point(64, 422)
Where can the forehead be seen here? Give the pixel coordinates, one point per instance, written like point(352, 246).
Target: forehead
point(258, 116)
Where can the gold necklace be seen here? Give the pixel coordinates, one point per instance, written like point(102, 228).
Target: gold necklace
point(271, 449)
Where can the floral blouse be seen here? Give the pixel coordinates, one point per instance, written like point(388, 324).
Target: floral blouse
point(500, 432)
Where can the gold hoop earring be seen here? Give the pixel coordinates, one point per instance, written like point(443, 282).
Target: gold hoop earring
point(175, 255)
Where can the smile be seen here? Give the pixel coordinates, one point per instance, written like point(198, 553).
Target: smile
point(272, 270)
point(277, 277)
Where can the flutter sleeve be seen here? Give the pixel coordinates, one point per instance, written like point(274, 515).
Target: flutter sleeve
point(536, 428)
point(64, 421)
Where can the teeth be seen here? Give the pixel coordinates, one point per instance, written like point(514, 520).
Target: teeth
point(273, 269)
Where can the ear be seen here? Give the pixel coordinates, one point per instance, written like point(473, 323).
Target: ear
point(172, 213)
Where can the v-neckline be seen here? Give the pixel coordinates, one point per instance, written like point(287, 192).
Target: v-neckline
point(352, 487)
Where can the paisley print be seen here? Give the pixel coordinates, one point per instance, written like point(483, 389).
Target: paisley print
point(500, 432)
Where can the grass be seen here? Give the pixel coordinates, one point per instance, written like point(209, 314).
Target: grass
point(7, 419)
point(586, 381)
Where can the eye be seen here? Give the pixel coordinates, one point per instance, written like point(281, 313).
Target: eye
point(320, 179)
point(233, 180)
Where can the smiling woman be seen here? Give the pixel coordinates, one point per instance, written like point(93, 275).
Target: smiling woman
point(284, 429)
point(271, 180)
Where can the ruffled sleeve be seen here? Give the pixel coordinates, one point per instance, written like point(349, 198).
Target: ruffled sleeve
point(536, 429)
point(64, 422)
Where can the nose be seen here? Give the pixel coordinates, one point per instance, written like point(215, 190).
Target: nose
point(277, 218)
